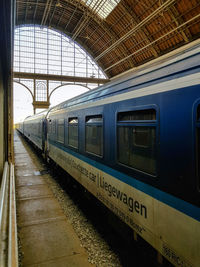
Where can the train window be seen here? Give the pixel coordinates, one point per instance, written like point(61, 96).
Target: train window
point(142, 136)
point(136, 141)
point(94, 135)
point(137, 115)
point(60, 130)
point(73, 132)
point(95, 119)
point(53, 126)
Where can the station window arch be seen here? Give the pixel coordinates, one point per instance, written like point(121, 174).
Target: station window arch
point(44, 50)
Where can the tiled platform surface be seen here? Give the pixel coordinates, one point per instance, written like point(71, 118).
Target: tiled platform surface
point(47, 238)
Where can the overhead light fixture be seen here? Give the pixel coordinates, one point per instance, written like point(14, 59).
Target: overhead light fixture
point(58, 4)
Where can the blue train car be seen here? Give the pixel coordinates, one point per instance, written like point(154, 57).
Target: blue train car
point(135, 144)
point(34, 128)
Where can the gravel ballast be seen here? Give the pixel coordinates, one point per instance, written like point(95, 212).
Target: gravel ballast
point(99, 252)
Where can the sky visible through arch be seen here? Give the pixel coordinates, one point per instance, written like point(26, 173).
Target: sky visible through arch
point(23, 100)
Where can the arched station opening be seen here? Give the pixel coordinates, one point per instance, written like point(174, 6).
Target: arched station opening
point(52, 67)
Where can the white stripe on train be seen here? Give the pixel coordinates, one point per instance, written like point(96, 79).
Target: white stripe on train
point(175, 84)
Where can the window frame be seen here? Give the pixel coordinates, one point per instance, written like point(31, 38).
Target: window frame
point(52, 131)
point(95, 124)
point(69, 125)
point(137, 123)
point(54, 127)
point(57, 132)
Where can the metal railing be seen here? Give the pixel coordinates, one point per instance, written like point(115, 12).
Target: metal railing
point(8, 225)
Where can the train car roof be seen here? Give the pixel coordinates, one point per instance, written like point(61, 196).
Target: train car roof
point(178, 61)
point(38, 115)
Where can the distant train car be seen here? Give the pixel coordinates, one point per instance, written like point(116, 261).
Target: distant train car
point(34, 128)
point(135, 144)
point(19, 127)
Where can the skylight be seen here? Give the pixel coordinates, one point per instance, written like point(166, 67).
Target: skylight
point(102, 7)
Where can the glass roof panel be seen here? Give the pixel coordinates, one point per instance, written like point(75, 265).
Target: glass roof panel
point(102, 7)
point(47, 51)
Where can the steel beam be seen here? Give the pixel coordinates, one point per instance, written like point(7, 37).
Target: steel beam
point(51, 77)
point(40, 104)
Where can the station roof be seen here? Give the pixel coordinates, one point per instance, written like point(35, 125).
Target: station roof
point(119, 34)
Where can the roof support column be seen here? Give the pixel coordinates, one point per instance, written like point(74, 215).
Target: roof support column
point(34, 94)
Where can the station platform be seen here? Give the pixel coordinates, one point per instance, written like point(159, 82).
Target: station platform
point(46, 236)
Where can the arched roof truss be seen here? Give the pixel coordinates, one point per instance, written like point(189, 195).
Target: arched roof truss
point(134, 32)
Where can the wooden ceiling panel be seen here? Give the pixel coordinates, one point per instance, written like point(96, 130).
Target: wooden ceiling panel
point(135, 31)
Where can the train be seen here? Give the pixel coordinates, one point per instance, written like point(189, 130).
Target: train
point(134, 143)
